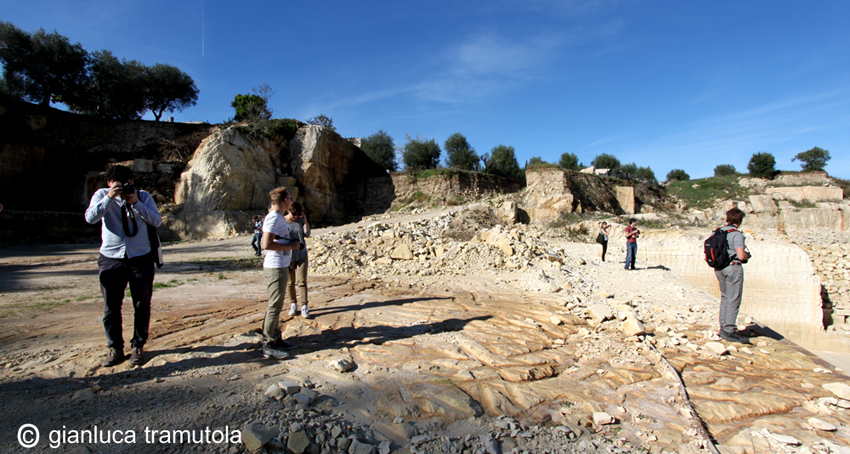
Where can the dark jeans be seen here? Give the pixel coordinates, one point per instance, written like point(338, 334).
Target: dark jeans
point(255, 243)
point(604, 249)
point(114, 275)
point(631, 252)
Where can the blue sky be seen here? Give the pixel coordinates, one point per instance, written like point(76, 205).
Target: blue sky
point(675, 84)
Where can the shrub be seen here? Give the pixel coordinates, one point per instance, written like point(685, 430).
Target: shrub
point(606, 161)
point(569, 161)
point(723, 170)
point(421, 154)
point(677, 175)
point(502, 162)
point(762, 165)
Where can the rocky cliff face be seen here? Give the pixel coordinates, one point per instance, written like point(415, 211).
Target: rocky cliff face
point(230, 176)
point(449, 188)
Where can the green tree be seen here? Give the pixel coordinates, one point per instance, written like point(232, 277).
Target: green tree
point(502, 162)
point(381, 149)
point(322, 120)
point(250, 107)
point(627, 171)
point(168, 89)
point(724, 170)
point(646, 174)
point(421, 154)
point(762, 165)
point(677, 175)
point(41, 67)
point(115, 89)
point(569, 161)
point(535, 161)
point(813, 160)
point(460, 154)
point(606, 161)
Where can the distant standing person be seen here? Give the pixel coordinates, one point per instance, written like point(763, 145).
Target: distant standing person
point(731, 278)
point(603, 235)
point(125, 257)
point(258, 235)
point(632, 234)
point(276, 271)
point(299, 229)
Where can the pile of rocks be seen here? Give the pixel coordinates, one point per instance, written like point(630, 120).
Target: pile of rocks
point(434, 247)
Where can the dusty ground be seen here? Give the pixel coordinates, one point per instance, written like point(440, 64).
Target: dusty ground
point(433, 356)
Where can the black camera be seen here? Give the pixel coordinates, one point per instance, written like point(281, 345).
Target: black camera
point(128, 188)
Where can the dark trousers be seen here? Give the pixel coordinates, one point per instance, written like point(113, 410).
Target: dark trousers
point(114, 275)
point(604, 249)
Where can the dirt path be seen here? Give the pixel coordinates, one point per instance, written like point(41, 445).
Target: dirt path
point(465, 362)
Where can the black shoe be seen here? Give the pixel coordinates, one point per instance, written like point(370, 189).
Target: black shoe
point(281, 345)
point(113, 358)
point(137, 357)
point(734, 337)
point(632, 268)
point(273, 353)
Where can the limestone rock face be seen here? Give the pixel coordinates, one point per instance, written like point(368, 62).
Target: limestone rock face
point(626, 198)
point(228, 173)
point(806, 193)
point(763, 204)
point(336, 175)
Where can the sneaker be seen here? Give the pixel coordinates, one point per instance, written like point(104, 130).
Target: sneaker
point(304, 312)
point(113, 358)
point(137, 357)
point(293, 309)
point(734, 337)
point(280, 344)
point(270, 352)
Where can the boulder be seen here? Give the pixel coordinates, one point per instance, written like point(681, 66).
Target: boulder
point(763, 204)
point(626, 198)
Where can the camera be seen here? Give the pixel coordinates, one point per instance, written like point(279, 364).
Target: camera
point(128, 188)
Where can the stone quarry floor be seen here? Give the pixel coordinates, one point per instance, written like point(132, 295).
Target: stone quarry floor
point(436, 357)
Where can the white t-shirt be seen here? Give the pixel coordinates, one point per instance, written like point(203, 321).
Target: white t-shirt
point(275, 223)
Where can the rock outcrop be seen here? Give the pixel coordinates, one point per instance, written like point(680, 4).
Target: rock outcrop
point(230, 174)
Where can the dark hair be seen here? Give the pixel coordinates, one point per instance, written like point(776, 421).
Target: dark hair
point(735, 216)
point(278, 194)
point(256, 217)
point(119, 173)
point(632, 220)
point(296, 209)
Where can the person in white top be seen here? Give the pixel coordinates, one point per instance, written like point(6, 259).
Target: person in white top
point(276, 271)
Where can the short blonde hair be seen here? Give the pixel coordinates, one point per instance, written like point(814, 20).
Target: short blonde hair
point(278, 195)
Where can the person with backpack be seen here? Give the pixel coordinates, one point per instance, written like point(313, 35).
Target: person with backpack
point(729, 270)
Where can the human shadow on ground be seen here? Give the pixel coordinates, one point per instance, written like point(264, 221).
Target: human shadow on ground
point(370, 305)
point(658, 267)
point(34, 398)
point(764, 331)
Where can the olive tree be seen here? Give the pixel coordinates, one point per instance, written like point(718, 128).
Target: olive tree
point(420, 154)
point(460, 154)
point(813, 160)
point(762, 165)
point(381, 149)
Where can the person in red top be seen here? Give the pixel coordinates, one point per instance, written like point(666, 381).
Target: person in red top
point(632, 234)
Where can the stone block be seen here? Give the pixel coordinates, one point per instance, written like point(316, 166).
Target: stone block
point(626, 198)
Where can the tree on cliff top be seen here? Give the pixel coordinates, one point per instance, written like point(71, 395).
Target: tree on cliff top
point(323, 120)
point(420, 154)
point(168, 89)
point(762, 165)
point(41, 67)
point(569, 161)
point(250, 108)
point(813, 160)
point(460, 154)
point(606, 161)
point(502, 162)
point(380, 147)
point(115, 88)
point(677, 175)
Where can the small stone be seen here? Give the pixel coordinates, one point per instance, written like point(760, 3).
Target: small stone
point(254, 436)
point(822, 425)
point(288, 388)
point(385, 447)
point(716, 348)
point(600, 313)
point(841, 390)
point(600, 418)
point(358, 447)
point(275, 392)
point(298, 442)
point(786, 439)
point(342, 365)
point(419, 439)
point(632, 327)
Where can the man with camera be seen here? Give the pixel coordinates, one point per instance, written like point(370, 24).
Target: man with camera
point(632, 234)
point(125, 257)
